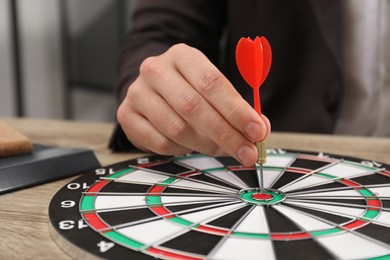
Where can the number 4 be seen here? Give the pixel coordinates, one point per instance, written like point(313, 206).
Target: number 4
point(105, 246)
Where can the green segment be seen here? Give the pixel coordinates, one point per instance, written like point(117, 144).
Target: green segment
point(154, 200)
point(119, 174)
point(384, 257)
point(358, 165)
point(370, 214)
point(253, 235)
point(182, 221)
point(124, 240)
point(276, 197)
point(88, 203)
point(365, 192)
point(325, 232)
point(168, 181)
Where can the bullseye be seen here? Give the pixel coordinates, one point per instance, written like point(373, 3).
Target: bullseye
point(262, 196)
point(258, 196)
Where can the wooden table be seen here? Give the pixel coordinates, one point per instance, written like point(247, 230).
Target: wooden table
point(24, 214)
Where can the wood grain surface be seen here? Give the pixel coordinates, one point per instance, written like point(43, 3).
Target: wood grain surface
point(24, 214)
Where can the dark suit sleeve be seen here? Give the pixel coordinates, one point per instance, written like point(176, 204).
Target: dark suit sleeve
point(159, 24)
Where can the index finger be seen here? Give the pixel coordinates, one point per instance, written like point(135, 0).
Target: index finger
point(221, 94)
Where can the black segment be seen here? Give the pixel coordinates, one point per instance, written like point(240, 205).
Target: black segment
point(308, 164)
point(118, 187)
point(386, 204)
point(126, 216)
point(372, 179)
point(193, 206)
point(286, 178)
point(205, 178)
point(378, 232)
point(177, 190)
point(278, 222)
point(194, 242)
point(326, 216)
point(170, 167)
point(228, 220)
point(300, 249)
point(249, 177)
point(228, 161)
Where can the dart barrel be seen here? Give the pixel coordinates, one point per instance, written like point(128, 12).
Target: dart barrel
point(262, 152)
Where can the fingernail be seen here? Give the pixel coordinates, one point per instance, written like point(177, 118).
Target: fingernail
point(254, 131)
point(246, 155)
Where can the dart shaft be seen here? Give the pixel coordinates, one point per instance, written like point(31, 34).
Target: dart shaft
point(262, 158)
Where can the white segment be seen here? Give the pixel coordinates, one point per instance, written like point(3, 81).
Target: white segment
point(384, 218)
point(143, 176)
point(244, 248)
point(210, 214)
point(270, 176)
point(201, 163)
point(254, 222)
point(151, 232)
point(351, 246)
point(381, 192)
point(344, 211)
point(306, 222)
point(306, 182)
point(182, 199)
point(193, 185)
point(345, 170)
point(229, 177)
point(331, 193)
point(279, 160)
point(109, 202)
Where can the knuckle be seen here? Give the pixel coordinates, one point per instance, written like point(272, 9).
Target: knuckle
point(210, 81)
point(190, 104)
point(235, 114)
point(224, 136)
point(162, 146)
point(177, 129)
point(150, 66)
point(180, 48)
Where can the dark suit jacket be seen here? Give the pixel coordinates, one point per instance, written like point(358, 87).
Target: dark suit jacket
point(304, 88)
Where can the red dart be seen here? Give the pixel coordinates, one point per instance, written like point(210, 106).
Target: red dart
point(253, 60)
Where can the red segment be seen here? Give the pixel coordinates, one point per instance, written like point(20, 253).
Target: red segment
point(98, 186)
point(350, 183)
point(262, 196)
point(386, 173)
point(161, 211)
point(166, 254)
point(156, 189)
point(290, 236)
point(94, 221)
point(208, 229)
point(355, 224)
point(374, 203)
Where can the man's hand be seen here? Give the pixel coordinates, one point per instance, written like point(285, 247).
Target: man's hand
point(181, 102)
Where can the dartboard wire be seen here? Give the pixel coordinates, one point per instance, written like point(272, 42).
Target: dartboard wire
point(288, 193)
point(331, 180)
point(293, 159)
point(157, 217)
point(335, 225)
point(186, 178)
point(190, 227)
point(173, 185)
point(369, 220)
point(158, 193)
point(338, 204)
point(217, 247)
point(155, 204)
point(205, 172)
point(310, 174)
point(350, 197)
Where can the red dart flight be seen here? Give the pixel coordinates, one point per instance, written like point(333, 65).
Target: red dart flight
point(253, 58)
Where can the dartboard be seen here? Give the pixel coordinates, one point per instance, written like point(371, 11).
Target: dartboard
point(312, 206)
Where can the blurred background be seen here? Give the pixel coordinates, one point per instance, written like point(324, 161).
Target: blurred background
point(58, 57)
